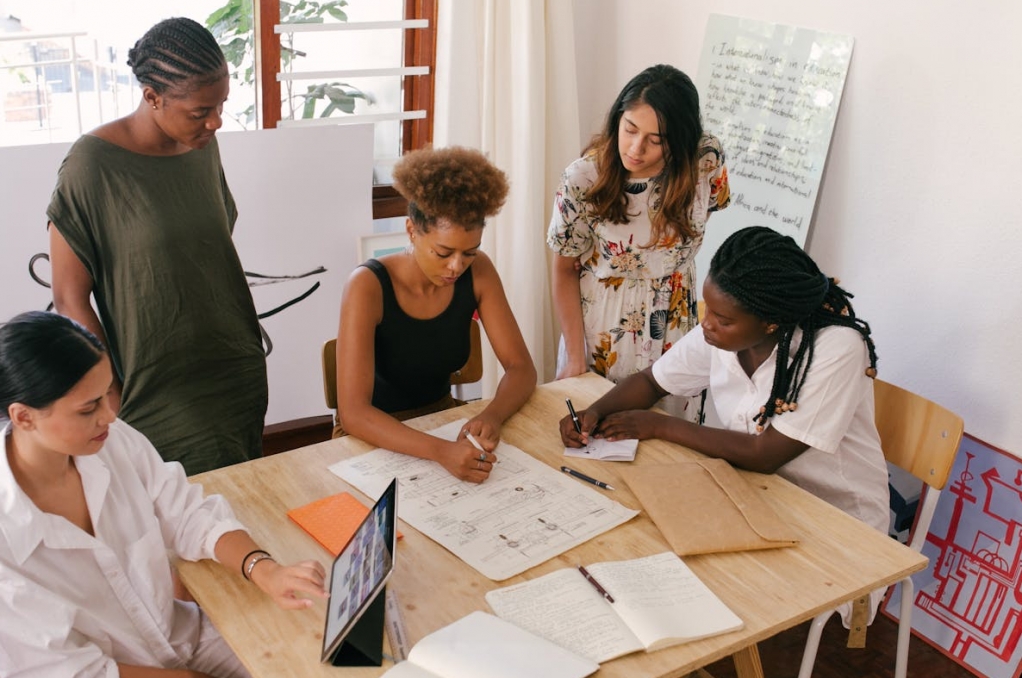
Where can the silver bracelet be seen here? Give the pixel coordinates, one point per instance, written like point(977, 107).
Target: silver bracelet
point(252, 563)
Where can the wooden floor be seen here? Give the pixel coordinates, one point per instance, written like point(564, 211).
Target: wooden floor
point(782, 655)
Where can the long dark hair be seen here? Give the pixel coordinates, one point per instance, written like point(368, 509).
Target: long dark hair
point(674, 98)
point(175, 51)
point(775, 280)
point(42, 356)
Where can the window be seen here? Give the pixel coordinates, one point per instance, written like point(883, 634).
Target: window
point(63, 64)
point(64, 72)
point(392, 45)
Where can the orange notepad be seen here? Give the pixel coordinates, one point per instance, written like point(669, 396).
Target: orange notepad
point(331, 520)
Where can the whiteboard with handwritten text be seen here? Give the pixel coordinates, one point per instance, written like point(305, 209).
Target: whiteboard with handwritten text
point(771, 93)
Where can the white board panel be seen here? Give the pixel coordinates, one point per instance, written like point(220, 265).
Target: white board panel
point(771, 93)
point(304, 198)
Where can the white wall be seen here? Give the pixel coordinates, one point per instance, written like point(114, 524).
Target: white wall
point(304, 198)
point(917, 212)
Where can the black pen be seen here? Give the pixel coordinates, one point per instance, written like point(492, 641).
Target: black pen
point(596, 584)
point(574, 417)
point(582, 476)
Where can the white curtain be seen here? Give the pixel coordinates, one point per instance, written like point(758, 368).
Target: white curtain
point(506, 85)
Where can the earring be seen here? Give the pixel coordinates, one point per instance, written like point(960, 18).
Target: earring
point(154, 107)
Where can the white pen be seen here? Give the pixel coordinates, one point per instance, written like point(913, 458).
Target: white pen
point(475, 444)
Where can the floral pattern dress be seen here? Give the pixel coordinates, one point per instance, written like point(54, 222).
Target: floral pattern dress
point(636, 300)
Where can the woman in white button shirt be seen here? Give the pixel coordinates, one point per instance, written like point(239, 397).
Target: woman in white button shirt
point(789, 367)
point(790, 371)
point(88, 512)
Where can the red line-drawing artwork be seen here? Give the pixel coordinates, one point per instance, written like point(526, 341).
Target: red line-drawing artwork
point(968, 602)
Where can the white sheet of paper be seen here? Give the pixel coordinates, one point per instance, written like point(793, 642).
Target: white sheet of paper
point(480, 644)
point(605, 450)
point(524, 514)
point(658, 602)
point(652, 592)
point(565, 609)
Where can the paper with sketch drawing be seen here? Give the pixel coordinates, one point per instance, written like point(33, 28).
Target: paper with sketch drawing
point(524, 514)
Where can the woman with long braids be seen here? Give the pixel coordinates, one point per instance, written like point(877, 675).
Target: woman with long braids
point(789, 367)
point(141, 220)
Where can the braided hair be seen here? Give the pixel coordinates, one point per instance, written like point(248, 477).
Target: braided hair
point(774, 279)
point(175, 51)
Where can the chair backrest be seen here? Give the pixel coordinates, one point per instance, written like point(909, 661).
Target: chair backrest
point(917, 434)
point(470, 372)
point(330, 373)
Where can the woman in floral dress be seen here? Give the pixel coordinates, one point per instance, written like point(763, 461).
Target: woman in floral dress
point(627, 223)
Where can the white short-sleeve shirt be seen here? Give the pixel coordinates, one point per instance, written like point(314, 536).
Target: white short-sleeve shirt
point(844, 464)
point(72, 604)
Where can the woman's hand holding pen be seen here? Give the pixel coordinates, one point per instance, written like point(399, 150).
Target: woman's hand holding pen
point(465, 461)
point(291, 586)
point(588, 420)
point(484, 429)
point(638, 424)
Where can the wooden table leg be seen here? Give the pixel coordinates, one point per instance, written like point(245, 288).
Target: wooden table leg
point(747, 664)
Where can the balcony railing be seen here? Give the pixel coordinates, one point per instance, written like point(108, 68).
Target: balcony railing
point(55, 87)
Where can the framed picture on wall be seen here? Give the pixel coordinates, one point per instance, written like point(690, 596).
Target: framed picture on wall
point(378, 244)
point(968, 601)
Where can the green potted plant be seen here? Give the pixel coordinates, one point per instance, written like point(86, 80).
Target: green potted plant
point(233, 27)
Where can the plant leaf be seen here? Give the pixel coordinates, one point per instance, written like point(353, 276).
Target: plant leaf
point(309, 110)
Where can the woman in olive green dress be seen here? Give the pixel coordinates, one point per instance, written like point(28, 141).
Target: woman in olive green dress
point(141, 222)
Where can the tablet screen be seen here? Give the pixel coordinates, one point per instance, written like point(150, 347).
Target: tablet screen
point(361, 569)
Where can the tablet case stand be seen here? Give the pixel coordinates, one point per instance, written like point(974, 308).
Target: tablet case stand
point(363, 646)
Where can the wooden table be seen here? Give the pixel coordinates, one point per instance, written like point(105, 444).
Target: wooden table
point(837, 559)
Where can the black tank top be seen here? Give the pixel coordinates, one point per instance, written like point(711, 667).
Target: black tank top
point(415, 358)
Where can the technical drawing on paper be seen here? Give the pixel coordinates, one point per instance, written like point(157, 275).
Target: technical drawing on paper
point(524, 514)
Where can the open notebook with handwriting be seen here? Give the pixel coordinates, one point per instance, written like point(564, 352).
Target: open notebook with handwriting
point(658, 602)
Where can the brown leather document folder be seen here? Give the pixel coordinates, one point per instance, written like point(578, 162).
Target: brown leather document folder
point(706, 506)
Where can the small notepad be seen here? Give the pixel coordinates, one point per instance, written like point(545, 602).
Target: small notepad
point(605, 450)
point(331, 520)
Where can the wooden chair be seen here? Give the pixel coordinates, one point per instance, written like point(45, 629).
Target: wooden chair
point(922, 438)
point(471, 371)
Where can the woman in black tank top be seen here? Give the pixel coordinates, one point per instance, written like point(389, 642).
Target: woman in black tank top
point(405, 317)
